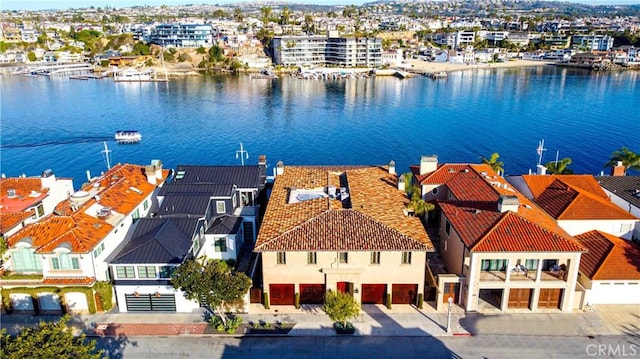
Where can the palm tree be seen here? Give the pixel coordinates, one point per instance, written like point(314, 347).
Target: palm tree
point(285, 16)
point(630, 160)
point(266, 13)
point(560, 167)
point(496, 166)
point(417, 204)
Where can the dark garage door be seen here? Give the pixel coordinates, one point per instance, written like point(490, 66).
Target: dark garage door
point(151, 303)
point(550, 298)
point(404, 293)
point(374, 293)
point(281, 294)
point(311, 293)
point(519, 297)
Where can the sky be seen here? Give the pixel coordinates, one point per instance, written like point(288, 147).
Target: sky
point(66, 4)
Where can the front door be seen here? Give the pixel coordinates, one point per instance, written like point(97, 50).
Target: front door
point(345, 287)
point(450, 290)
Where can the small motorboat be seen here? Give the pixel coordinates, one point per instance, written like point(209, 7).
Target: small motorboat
point(128, 136)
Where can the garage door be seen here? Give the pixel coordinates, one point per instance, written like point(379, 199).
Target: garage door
point(281, 294)
point(404, 293)
point(49, 302)
point(519, 297)
point(374, 293)
point(151, 303)
point(311, 293)
point(550, 298)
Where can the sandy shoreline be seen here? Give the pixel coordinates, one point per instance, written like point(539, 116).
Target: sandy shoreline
point(448, 67)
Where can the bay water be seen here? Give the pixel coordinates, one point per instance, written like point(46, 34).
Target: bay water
point(60, 123)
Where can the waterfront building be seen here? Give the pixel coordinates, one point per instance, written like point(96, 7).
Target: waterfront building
point(610, 270)
point(593, 42)
point(62, 56)
point(327, 51)
point(182, 35)
point(206, 212)
point(60, 258)
point(624, 192)
point(577, 203)
point(344, 228)
point(25, 200)
point(500, 250)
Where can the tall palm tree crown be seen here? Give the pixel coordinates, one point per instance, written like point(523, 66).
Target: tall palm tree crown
point(630, 160)
point(496, 166)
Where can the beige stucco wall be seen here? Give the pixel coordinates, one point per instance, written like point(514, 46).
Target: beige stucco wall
point(358, 270)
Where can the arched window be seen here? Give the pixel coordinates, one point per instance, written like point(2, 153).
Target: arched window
point(25, 260)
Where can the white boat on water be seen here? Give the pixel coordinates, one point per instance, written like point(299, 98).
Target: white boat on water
point(135, 75)
point(128, 136)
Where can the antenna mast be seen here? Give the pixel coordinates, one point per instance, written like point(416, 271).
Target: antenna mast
point(540, 151)
point(242, 153)
point(106, 152)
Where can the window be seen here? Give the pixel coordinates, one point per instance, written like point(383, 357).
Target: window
point(65, 262)
point(40, 211)
point(494, 264)
point(196, 245)
point(344, 257)
point(234, 201)
point(167, 271)
point(221, 245)
point(406, 257)
point(136, 215)
point(145, 205)
point(531, 264)
point(125, 272)
point(98, 250)
point(311, 258)
point(246, 199)
point(282, 259)
point(375, 257)
point(434, 191)
point(146, 271)
point(447, 227)
point(550, 264)
point(220, 207)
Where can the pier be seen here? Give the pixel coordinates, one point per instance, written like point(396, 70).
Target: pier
point(56, 69)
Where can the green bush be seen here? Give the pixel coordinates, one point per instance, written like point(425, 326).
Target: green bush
point(265, 300)
point(420, 300)
point(232, 324)
point(388, 301)
point(105, 290)
point(297, 301)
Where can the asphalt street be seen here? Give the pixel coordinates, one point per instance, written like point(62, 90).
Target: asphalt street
point(320, 347)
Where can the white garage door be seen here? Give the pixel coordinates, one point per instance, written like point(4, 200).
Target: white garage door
point(76, 302)
point(49, 302)
point(21, 302)
point(615, 293)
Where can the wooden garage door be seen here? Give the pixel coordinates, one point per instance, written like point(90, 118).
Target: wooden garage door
point(550, 298)
point(374, 293)
point(311, 293)
point(404, 293)
point(519, 297)
point(281, 294)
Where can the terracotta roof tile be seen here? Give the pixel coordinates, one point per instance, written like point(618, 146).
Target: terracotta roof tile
point(374, 209)
point(571, 198)
point(609, 257)
point(28, 192)
point(122, 189)
point(10, 220)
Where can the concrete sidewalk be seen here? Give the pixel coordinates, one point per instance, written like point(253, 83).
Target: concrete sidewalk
point(375, 320)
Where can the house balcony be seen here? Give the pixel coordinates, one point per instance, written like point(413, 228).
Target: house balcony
point(246, 211)
point(492, 276)
point(500, 276)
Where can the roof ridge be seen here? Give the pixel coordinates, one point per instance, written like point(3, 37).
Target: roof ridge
point(293, 227)
point(385, 225)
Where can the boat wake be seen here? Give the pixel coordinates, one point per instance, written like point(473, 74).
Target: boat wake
point(87, 139)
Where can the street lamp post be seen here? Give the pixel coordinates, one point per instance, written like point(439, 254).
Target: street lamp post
point(450, 301)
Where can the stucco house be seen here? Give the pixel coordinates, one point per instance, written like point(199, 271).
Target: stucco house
point(577, 203)
point(65, 253)
point(500, 250)
point(342, 228)
point(610, 270)
point(624, 192)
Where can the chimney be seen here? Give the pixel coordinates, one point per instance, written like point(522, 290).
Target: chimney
point(392, 167)
point(158, 165)
point(262, 160)
point(279, 168)
point(508, 203)
point(401, 184)
point(428, 164)
point(541, 170)
point(618, 169)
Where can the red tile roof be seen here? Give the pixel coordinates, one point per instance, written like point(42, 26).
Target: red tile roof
point(373, 216)
point(28, 191)
point(573, 197)
point(609, 257)
point(10, 220)
point(122, 189)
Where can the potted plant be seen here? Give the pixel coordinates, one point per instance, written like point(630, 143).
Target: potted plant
point(340, 307)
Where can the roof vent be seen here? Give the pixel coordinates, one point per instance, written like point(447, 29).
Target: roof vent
point(34, 193)
point(11, 193)
point(508, 203)
point(104, 212)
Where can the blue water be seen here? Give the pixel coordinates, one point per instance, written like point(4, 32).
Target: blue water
point(60, 123)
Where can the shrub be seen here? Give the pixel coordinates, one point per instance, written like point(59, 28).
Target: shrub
point(232, 324)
